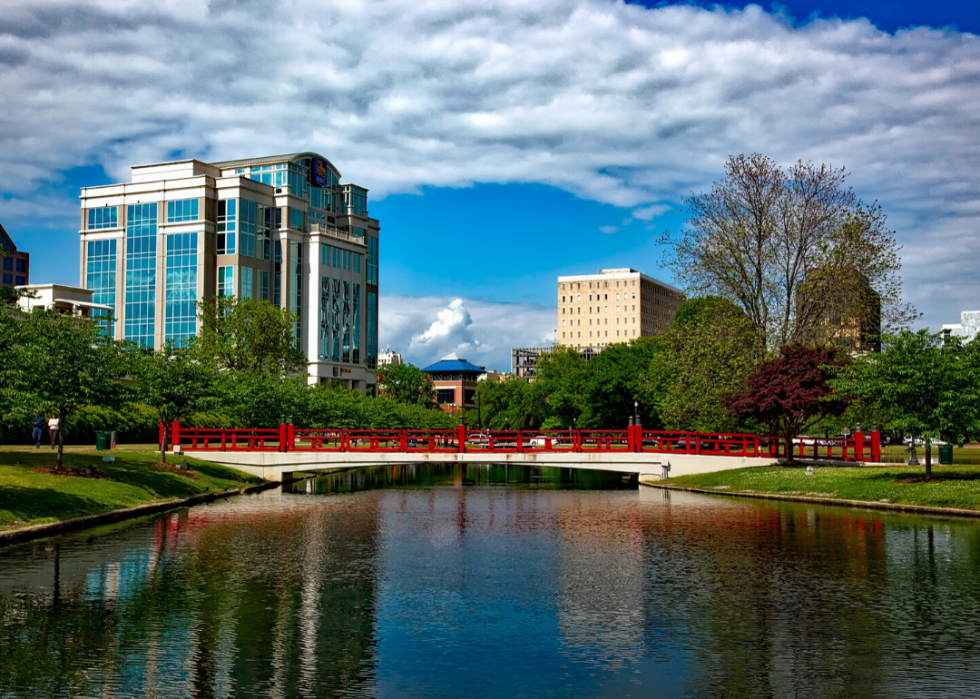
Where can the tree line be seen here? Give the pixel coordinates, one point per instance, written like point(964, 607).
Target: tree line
point(243, 369)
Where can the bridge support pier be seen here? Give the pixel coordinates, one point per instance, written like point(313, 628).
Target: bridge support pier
point(287, 477)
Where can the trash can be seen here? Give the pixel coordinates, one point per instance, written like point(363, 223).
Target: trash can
point(945, 454)
point(102, 440)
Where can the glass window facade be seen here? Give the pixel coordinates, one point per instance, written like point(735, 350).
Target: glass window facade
point(183, 210)
point(372, 329)
point(372, 260)
point(296, 219)
point(141, 274)
point(296, 292)
point(227, 226)
point(355, 351)
point(246, 227)
point(181, 290)
point(226, 281)
point(264, 285)
point(247, 282)
point(104, 217)
point(100, 274)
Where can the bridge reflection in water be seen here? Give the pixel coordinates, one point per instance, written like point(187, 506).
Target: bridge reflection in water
point(420, 586)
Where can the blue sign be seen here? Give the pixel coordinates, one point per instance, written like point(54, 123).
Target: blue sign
point(318, 172)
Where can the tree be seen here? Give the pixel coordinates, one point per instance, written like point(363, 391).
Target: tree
point(406, 383)
point(67, 362)
point(612, 385)
point(561, 375)
point(921, 384)
point(174, 383)
point(780, 243)
point(708, 352)
point(242, 335)
point(790, 392)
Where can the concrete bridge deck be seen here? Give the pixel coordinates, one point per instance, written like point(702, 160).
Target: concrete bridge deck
point(278, 466)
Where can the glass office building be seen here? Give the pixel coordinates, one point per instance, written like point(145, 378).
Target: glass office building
point(281, 229)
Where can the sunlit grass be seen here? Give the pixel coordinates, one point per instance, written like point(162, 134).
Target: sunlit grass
point(31, 497)
point(953, 486)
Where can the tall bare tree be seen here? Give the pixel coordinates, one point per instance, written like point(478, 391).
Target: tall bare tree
point(796, 249)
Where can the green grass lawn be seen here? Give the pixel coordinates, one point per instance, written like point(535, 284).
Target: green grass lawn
point(953, 486)
point(899, 454)
point(31, 497)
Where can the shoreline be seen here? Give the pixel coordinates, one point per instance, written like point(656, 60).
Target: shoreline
point(65, 526)
point(806, 499)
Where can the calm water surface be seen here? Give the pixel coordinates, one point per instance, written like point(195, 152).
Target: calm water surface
point(407, 583)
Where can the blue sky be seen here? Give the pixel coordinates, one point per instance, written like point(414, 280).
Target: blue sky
point(504, 144)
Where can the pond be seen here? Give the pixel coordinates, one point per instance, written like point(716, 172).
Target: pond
point(425, 581)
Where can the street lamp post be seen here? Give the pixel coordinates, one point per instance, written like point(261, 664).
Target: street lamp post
point(913, 460)
point(636, 412)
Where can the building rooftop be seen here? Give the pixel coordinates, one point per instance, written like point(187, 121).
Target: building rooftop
point(453, 362)
point(619, 272)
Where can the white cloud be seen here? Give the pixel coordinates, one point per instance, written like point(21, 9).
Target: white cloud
point(480, 331)
point(405, 93)
point(608, 229)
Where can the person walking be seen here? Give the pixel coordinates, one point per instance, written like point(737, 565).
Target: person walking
point(38, 432)
point(53, 429)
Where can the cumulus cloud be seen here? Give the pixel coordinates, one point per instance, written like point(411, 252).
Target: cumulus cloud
point(480, 331)
point(618, 103)
point(608, 229)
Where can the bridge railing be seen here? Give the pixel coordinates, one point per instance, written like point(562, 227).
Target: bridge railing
point(635, 439)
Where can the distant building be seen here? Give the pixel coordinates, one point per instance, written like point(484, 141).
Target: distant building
point(615, 305)
point(455, 381)
point(63, 298)
point(968, 327)
point(491, 376)
point(524, 360)
point(16, 265)
point(388, 358)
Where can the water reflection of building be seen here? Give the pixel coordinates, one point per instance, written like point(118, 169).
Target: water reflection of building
point(601, 592)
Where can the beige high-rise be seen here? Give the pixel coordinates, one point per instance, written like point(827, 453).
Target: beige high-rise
point(615, 305)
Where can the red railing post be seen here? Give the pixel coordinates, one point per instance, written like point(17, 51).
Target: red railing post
point(876, 446)
point(282, 436)
point(290, 437)
point(223, 446)
point(520, 441)
point(697, 443)
point(402, 442)
point(461, 439)
point(175, 433)
point(859, 445)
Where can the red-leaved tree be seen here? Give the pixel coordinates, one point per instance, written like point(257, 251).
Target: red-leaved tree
point(790, 392)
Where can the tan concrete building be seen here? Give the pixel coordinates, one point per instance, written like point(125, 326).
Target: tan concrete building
point(615, 305)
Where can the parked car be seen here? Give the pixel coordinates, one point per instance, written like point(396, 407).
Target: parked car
point(478, 438)
point(541, 441)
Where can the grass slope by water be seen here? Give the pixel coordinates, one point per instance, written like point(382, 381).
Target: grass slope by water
point(29, 495)
point(952, 486)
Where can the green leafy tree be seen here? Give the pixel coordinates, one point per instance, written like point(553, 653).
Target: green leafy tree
point(406, 383)
point(920, 385)
point(175, 383)
point(67, 362)
point(779, 243)
point(613, 385)
point(561, 376)
point(242, 335)
point(708, 352)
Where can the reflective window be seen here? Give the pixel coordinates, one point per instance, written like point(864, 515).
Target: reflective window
point(180, 313)
point(264, 285)
point(296, 292)
point(227, 225)
point(296, 219)
point(372, 260)
point(247, 282)
point(141, 273)
point(104, 217)
point(182, 210)
point(357, 262)
point(246, 228)
point(226, 281)
point(372, 329)
point(100, 274)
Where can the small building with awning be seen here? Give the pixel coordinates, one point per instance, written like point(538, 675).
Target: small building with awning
point(455, 381)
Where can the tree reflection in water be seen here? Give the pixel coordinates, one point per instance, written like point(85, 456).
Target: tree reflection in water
point(404, 581)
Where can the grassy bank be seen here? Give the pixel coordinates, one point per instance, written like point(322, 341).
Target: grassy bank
point(31, 494)
point(952, 486)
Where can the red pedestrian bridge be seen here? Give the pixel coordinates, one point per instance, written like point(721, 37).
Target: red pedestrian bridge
point(277, 453)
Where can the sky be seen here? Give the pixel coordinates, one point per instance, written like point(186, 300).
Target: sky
point(504, 143)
